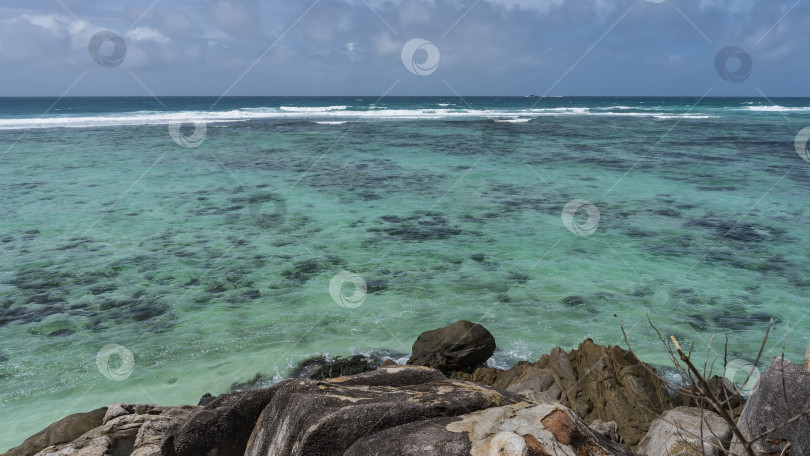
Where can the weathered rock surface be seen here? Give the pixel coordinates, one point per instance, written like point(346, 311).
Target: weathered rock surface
point(721, 388)
point(781, 393)
point(223, 426)
point(328, 417)
point(596, 382)
point(62, 431)
point(686, 431)
point(460, 346)
point(127, 429)
point(518, 429)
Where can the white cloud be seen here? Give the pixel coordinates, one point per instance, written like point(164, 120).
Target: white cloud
point(146, 34)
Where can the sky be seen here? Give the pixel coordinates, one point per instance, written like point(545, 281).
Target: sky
point(748, 48)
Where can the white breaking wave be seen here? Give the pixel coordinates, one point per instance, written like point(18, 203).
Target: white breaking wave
point(311, 109)
point(328, 115)
point(778, 108)
point(517, 120)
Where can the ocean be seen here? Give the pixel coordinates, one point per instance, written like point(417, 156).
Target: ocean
point(154, 250)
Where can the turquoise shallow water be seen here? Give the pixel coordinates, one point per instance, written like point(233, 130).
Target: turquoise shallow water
point(211, 264)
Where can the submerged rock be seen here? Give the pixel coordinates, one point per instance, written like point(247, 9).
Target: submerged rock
point(459, 346)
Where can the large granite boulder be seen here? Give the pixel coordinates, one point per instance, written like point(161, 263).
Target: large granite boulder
point(517, 429)
point(328, 417)
point(126, 429)
point(781, 393)
point(596, 382)
point(222, 427)
point(65, 430)
point(686, 431)
point(460, 346)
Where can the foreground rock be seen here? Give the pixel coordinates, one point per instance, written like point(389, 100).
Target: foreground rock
point(222, 427)
point(457, 347)
point(518, 429)
point(65, 430)
point(596, 382)
point(686, 431)
point(131, 430)
point(328, 417)
point(781, 394)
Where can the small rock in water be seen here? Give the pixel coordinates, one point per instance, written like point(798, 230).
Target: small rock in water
point(258, 381)
point(323, 367)
point(460, 346)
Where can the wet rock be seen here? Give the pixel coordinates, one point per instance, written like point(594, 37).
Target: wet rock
point(206, 399)
point(678, 431)
point(258, 381)
point(459, 346)
point(327, 418)
point(64, 430)
point(323, 367)
point(782, 392)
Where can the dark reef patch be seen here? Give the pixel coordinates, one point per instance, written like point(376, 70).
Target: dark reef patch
point(419, 226)
point(303, 271)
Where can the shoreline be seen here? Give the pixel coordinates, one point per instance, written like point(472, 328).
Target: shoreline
point(458, 354)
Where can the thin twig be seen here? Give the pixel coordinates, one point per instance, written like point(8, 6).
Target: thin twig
point(713, 400)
